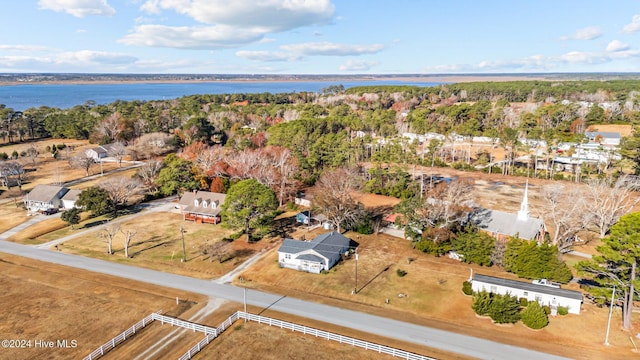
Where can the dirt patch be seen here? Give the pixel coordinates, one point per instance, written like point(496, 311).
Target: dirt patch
point(65, 303)
point(624, 130)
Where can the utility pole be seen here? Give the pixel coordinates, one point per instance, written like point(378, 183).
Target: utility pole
point(355, 290)
point(184, 247)
point(606, 338)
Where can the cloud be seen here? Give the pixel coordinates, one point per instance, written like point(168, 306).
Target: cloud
point(78, 8)
point(617, 45)
point(588, 33)
point(332, 49)
point(94, 57)
point(271, 15)
point(267, 56)
point(196, 37)
point(541, 63)
point(634, 26)
point(356, 65)
point(23, 48)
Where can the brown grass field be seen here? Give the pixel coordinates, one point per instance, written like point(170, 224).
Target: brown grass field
point(158, 245)
point(51, 302)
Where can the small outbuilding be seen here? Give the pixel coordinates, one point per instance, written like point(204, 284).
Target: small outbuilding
point(314, 256)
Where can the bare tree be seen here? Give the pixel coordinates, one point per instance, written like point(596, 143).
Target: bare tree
point(150, 145)
point(610, 200)
point(32, 153)
point(108, 233)
point(447, 204)
point(82, 161)
point(216, 250)
point(129, 235)
point(569, 213)
point(110, 127)
point(120, 190)
point(333, 194)
point(148, 173)
point(118, 151)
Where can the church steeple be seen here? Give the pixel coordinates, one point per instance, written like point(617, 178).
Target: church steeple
point(523, 213)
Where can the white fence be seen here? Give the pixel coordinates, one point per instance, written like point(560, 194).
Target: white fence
point(212, 333)
point(334, 337)
point(207, 339)
point(99, 352)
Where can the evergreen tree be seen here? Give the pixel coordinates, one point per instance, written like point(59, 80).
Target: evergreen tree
point(534, 316)
point(249, 205)
point(96, 200)
point(481, 303)
point(71, 216)
point(475, 246)
point(504, 309)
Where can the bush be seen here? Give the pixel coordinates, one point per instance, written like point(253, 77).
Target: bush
point(401, 273)
point(563, 310)
point(524, 302)
point(4, 156)
point(466, 288)
point(504, 309)
point(61, 146)
point(534, 316)
point(547, 309)
point(481, 303)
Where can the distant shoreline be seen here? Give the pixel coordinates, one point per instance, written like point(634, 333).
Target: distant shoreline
point(53, 79)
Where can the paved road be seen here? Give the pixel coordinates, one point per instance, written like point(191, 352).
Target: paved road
point(390, 328)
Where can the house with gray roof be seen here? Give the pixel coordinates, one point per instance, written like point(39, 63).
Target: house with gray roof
point(604, 137)
point(503, 225)
point(545, 294)
point(314, 256)
point(202, 206)
point(44, 197)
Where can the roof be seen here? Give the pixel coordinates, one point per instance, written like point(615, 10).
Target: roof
point(99, 150)
point(543, 289)
point(604, 134)
point(329, 245)
point(71, 195)
point(188, 202)
point(311, 257)
point(45, 193)
point(505, 223)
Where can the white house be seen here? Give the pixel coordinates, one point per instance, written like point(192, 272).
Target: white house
point(44, 197)
point(314, 256)
point(550, 295)
point(97, 153)
point(69, 199)
point(604, 137)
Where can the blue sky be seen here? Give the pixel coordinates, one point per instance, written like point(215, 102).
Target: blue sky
point(320, 36)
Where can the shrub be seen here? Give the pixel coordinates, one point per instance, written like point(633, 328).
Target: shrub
point(61, 146)
point(534, 316)
point(547, 309)
point(505, 309)
point(4, 156)
point(524, 302)
point(563, 310)
point(401, 273)
point(466, 288)
point(481, 303)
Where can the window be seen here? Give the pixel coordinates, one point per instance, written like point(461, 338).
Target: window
point(205, 204)
point(525, 294)
point(493, 289)
point(539, 298)
point(287, 256)
point(196, 202)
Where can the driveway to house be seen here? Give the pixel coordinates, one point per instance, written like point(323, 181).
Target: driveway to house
point(448, 341)
point(164, 204)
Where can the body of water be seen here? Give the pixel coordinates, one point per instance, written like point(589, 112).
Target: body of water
point(25, 96)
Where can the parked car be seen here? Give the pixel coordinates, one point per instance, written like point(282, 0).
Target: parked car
point(49, 211)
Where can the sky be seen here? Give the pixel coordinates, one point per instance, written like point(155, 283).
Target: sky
point(319, 36)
